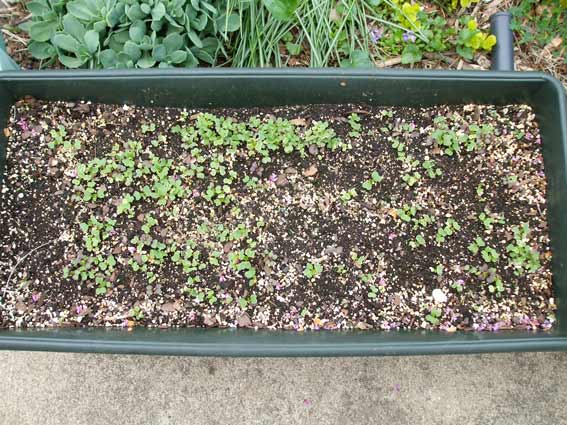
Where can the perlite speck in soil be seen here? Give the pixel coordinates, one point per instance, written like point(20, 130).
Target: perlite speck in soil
point(304, 217)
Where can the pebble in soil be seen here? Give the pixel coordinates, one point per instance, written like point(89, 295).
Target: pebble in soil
point(305, 217)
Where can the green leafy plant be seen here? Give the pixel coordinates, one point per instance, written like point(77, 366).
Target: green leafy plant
point(522, 257)
point(541, 23)
point(357, 259)
point(476, 245)
point(434, 316)
point(59, 139)
point(489, 275)
point(354, 123)
point(471, 39)
point(411, 179)
point(407, 212)
point(136, 313)
point(419, 241)
point(431, 168)
point(126, 34)
point(374, 291)
point(496, 285)
point(447, 139)
point(312, 270)
point(348, 195)
point(148, 128)
point(451, 226)
point(374, 179)
point(149, 223)
point(489, 255)
point(283, 10)
point(458, 286)
point(488, 220)
point(438, 269)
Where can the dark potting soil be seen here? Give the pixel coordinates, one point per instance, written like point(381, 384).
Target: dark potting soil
point(304, 217)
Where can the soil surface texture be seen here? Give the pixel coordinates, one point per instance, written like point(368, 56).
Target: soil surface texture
point(303, 217)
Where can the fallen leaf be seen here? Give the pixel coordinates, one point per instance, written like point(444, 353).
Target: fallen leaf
point(244, 321)
point(281, 180)
point(362, 325)
point(300, 122)
point(311, 171)
point(436, 151)
point(21, 307)
point(318, 322)
point(325, 203)
point(7, 132)
point(209, 321)
point(556, 42)
point(330, 325)
point(334, 16)
point(333, 249)
point(393, 213)
point(83, 107)
point(169, 307)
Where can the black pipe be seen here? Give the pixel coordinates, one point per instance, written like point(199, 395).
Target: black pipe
point(503, 51)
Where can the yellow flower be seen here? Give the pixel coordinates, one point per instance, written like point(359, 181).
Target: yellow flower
point(476, 40)
point(410, 10)
point(489, 42)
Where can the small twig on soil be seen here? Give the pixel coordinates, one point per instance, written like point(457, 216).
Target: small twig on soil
point(24, 19)
point(389, 62)
point(22, 259)
point(360, 111)
point(540, 211)
point(475, 10)
point(444, 57)
point(15, 37)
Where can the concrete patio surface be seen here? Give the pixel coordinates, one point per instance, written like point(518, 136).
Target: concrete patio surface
point(51, 388)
